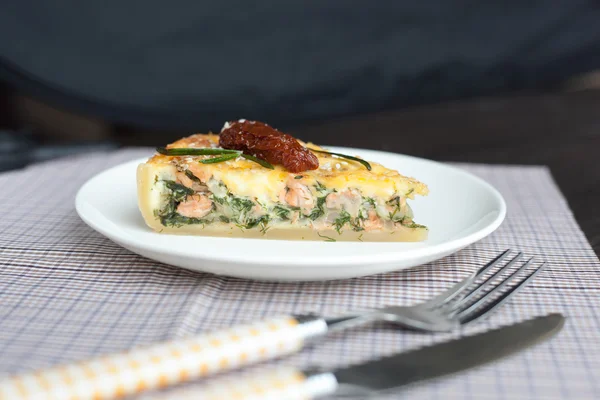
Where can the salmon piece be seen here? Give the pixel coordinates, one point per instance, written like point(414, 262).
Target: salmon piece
point(297, 195)
point(373, 223)
point(295, 217)
point(348, 200)
point(187, 182)
point(195, 206)
point(201, 173)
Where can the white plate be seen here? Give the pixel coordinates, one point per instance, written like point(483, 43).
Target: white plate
point(459, 210)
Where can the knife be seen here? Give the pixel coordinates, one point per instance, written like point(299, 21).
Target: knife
point(380, 375)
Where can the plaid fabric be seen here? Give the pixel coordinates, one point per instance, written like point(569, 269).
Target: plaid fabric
point(68, 293)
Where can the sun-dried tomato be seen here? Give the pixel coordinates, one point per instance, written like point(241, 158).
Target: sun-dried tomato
point(260, 140)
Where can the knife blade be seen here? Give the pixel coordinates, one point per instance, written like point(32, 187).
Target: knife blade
point(383, 374)
point(449, 357)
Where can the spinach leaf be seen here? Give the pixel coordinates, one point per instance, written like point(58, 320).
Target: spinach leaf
point(281, 212)
point(178, 191)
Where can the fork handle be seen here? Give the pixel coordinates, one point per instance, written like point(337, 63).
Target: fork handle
point(165, 364)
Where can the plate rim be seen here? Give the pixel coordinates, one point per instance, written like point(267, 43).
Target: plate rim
point(407, 255)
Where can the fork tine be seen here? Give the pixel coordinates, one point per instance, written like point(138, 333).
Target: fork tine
point(457, 288)
point(487, 296)
point(492, 263)
point(484, 284)
point(471, 315)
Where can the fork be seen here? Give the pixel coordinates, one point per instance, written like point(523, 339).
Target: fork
point(458, 305)
point(180, 360)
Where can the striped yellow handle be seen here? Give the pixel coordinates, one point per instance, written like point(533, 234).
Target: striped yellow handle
point(276, 384)
point(159, 365)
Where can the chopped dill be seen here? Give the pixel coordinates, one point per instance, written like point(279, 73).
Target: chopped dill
point(342, 220)
point(327, 238)
point(319, 209)
point(370, 201)
point(281, 212)
point(320, 187)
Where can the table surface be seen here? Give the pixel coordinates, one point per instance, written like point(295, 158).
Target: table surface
point(561, 130)
point(69, 293)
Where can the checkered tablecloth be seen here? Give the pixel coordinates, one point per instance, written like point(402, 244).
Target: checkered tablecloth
point(68, 293)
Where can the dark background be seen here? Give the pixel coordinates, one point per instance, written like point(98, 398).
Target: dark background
point(492, 82)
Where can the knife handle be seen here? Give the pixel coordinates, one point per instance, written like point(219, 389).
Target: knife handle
point(165, 364)
point(272, 384)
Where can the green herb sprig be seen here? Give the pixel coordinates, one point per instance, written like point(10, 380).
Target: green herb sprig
point(187, 151)
point(359, 160)
point(223, 158)
point(225, 154)
point(258, 161)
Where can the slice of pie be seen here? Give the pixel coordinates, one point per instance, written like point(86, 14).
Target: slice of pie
point(254, 181)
